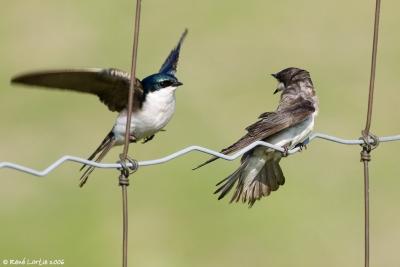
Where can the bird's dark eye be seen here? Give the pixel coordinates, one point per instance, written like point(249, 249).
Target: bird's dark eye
point(165, 83)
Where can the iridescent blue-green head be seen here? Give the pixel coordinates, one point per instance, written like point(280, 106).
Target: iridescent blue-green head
point(159, 81)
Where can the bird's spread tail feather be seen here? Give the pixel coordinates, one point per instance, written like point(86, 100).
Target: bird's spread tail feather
point(252, 181)
point(205, 163)
point(101, 151)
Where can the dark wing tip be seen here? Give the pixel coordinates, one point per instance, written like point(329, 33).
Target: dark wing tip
point(15, 79)
point(21, 78)
point(42, 77)
point(171, 63)
point(183, 36)
point(28, 77)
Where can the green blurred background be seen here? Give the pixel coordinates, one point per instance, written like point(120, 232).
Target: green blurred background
point(316, 219)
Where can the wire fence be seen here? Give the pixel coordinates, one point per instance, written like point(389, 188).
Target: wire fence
point(367, 141)
point(185, 151)
point(124, 176)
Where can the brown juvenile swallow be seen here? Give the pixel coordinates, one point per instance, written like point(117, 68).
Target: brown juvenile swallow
point(288, 126)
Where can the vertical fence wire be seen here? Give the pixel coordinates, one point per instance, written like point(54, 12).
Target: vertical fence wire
point(124, 225)
point(373, 67)
point(123, 178)
point(133, 77)
point(366, 148)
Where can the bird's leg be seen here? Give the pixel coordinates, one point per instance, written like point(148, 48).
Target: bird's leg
point(132, 139)
point(147, 139)
point(285, 152)
point(303, 144)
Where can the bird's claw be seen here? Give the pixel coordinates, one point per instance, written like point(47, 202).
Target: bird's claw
point(303, 145)
point(147, 139)
point(285, 152)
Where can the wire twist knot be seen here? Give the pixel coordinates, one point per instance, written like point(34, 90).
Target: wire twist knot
point(365, 155)
point(371, 142)
point(128, 166)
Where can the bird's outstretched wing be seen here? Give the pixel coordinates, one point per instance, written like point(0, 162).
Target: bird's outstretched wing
point(270, 123)
point(171, 63)
point(110, 85)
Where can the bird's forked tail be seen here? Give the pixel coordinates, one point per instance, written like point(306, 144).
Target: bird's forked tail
point(256, 177)
point(99, 154)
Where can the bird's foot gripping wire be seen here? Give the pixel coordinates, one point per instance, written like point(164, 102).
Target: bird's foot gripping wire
point(147, 139)
point(128, 166)
point(285, 152)
point(303, 145)
point(371, 142)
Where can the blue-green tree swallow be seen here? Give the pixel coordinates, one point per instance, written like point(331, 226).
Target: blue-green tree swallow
point(153, 106)
point(288, 126)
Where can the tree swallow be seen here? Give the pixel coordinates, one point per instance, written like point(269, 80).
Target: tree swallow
point(153, 106)
point(288, 126)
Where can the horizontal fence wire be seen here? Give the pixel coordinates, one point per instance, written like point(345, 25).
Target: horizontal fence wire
point(186, 150)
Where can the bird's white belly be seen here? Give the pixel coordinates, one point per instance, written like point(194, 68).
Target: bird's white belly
point(293, 135)
point(154, 115)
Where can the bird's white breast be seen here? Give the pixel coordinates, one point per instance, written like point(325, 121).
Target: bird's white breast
point(156, 112)
point(295, 134)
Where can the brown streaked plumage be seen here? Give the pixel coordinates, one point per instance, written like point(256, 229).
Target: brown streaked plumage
point(259, 173)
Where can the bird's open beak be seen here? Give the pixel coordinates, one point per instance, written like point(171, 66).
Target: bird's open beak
point(276, 77)
point(178, 84)
point(280, 87)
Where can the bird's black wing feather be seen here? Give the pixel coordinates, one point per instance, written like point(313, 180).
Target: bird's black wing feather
point(110, 85)
point(171, 63)
point(270, 123)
